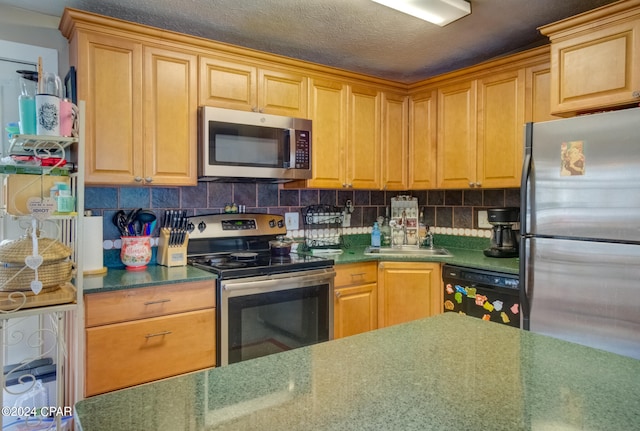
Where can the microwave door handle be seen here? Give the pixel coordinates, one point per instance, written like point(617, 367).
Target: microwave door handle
point(288, 134)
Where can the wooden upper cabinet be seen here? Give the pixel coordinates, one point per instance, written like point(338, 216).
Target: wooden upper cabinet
point(595, 59)
point(500, 137)
point(422, 140)
point(329, 122)
point(363, 140)
point(480, 132)
point(395, 137)
point(170, 117)
point(456, 142)
point(228, 84)
point(237, 84)
point(109, 79)
point(282, 93)
point(141, 107)
point(538, 94)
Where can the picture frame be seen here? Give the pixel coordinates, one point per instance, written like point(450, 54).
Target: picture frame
point(70, 85)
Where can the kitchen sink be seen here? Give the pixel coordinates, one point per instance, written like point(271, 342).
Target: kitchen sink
point(407, 251)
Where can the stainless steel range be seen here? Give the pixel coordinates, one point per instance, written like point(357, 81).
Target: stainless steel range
point(265, 304)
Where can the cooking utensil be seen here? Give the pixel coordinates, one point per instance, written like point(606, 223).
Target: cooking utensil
point(120, 221)
point(281, 246)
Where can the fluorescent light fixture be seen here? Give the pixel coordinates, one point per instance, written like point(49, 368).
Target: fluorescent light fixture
point(439, 12)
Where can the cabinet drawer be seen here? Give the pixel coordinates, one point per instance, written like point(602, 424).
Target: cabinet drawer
point(132, 304)
point(356, 273)
point(130, 353)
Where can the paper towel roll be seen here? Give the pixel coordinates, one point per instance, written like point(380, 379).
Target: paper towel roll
point(92, 246)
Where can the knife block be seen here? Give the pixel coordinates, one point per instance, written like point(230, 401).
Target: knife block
point(171, 255)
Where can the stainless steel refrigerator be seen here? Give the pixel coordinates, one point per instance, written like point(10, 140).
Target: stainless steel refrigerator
point(580, 230)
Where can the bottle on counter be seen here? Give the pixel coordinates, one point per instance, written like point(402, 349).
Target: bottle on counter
point(422, 230)
point(385, 232)
point(375, 235)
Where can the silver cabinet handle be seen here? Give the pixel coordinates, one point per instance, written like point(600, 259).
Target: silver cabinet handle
point(358, 274)
point(635, 94)
point(478, 184)
point(338, 294)
point(472, 184)
point(160, 301)
point(137, 179)
point(157, 334)
point(148, 179)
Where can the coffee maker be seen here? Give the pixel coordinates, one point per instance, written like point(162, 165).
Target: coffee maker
point(504, 240)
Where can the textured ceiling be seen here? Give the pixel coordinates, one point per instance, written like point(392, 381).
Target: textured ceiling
point(357, 35)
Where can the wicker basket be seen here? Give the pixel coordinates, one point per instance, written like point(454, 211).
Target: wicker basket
point(55, 270)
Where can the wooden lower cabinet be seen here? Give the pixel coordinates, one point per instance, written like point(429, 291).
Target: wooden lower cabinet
point(130, 353)
point(408, 291)
point(355, 301)
point(139, 335)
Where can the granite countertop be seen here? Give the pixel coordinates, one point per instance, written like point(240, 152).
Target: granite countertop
point(448, 372)
point(121, 278)
point(466, 252)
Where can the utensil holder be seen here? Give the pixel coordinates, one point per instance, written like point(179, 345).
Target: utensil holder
point(171, 255)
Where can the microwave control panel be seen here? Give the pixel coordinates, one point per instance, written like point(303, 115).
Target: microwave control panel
point(303, 149)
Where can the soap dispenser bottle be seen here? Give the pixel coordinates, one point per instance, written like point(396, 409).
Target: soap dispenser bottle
point(375, 235)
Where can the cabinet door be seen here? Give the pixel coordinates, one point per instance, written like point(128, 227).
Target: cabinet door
point(422, 140)
point(500, 130)
point(538, 94)
point(282, 93)
point(228, 84)
point(363, 158)
point(408, 291)
point(456, 148)
point(598, 69)
point(109, 79)
point(395, 145)
point(355, 310)
point(171, 104)
point(329, 116)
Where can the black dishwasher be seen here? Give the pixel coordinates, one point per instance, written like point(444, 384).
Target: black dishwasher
point(484, 294)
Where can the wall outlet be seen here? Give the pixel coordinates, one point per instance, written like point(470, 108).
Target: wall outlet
point(292, 221)
point(483, 220)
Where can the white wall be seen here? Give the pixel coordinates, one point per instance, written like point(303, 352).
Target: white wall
point(22, 26)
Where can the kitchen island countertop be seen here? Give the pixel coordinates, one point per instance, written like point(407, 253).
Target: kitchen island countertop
point(448, 372)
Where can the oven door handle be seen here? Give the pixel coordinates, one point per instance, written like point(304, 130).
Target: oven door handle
point(280, 281)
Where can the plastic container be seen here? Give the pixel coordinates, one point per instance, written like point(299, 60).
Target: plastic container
point(375, 235)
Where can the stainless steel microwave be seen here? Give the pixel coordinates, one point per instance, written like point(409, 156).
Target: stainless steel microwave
point(245, 146)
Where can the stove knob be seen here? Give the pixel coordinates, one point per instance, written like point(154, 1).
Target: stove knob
point(280, 224)
point(272, 223)
point(191, 227)
point(201, 226)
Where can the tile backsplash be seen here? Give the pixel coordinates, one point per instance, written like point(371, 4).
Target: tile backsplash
point(442, 208)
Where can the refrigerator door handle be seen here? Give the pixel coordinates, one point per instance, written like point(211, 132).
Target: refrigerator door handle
point(525, 309)
point(527, 167)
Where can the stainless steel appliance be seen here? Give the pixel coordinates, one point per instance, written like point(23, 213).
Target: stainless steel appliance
point(265, 303)
point(238, 145)
point(488, 295)
point(580, 234)
point(504, 241)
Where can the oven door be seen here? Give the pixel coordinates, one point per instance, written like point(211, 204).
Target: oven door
point(270, 314)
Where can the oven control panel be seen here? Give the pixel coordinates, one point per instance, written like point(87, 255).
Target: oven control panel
point(237, 225)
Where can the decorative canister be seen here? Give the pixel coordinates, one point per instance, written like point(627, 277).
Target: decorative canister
point(135, 253)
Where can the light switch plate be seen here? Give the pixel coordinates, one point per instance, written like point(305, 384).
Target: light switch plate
point(483, 220)
point(292, 221)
